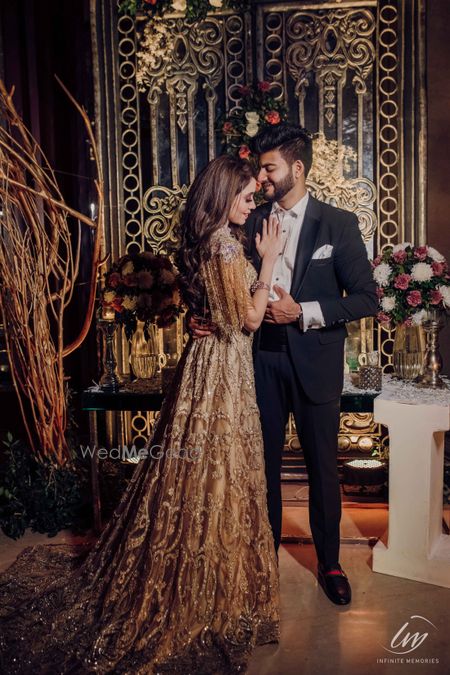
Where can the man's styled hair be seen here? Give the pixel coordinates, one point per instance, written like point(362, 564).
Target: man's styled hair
point(293, 143)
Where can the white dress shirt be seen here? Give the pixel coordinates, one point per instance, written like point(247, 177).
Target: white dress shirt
point(291, 222)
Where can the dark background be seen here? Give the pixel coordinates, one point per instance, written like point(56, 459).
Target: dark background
point(39, 39)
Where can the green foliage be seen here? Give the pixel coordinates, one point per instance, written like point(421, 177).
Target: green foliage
point(37, 495)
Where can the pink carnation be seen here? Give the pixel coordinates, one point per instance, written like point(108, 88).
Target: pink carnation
point(402, 281)
point(400, 256)
point(383, 318)
point(435, 297)
point(376, 261)
point(438, 268)
point(421, 252)
point(380, 292)
point(408, 321)
point(414, 298)
point(263, 86)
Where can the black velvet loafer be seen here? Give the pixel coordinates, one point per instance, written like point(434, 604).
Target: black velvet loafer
point(335, 583)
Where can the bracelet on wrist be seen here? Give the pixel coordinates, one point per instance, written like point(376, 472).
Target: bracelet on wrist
point(258, 285)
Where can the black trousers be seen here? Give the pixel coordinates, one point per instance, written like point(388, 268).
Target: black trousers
point(278, 393)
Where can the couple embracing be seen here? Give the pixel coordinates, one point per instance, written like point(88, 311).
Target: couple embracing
point(184, 577)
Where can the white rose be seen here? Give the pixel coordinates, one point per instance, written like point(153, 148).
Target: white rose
point(129, 303)
point(216, 3)
point(128, 268)
point(418, 317)
point(252, 117)
point(179, 5)
point(422, 272)
point(388, 304)
point(445, 292)
point(382, 273)
point(251, 130)
point(401, 247)
point(435, 255)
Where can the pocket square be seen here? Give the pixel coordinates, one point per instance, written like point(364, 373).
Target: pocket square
point(323, 252)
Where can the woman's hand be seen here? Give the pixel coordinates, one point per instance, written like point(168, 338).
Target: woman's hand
point(269, 244)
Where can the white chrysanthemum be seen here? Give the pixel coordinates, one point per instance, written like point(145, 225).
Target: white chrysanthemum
point(382, 273)
point(388, 303)
point(445, 292)
point(418, 317)
point(422, 272)
point(109, 296)
point(216, 3)
point(435, 255)
point(179, 5)
point(401, 247)
point(129, 302)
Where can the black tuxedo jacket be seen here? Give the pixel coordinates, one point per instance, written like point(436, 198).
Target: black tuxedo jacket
point(318, 354)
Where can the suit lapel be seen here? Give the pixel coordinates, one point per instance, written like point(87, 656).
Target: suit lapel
point(306, 244)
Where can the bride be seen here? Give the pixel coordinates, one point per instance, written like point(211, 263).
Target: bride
point(184, 577)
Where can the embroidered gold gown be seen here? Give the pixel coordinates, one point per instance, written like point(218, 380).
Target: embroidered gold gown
point(183, 578)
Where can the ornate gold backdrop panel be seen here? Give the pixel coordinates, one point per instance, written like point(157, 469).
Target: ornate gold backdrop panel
point(351, 71)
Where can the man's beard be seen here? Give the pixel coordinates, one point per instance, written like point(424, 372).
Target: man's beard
point(282, 187)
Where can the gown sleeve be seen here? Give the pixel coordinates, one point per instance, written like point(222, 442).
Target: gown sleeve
point(226, 284)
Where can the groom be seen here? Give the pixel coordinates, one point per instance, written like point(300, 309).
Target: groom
point(299, 349)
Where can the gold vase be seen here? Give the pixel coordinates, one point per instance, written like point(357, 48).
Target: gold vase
point(430, 377)
point(145, 358)
point(408, 351)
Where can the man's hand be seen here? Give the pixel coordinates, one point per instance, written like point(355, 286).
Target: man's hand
point(199, 327)
point(284, 310)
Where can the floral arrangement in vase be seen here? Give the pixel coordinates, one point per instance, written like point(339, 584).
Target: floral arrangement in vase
point(257, 109)
point(141, 287)
point(412, 281)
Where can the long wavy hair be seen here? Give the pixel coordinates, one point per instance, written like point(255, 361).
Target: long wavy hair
point(207, 209)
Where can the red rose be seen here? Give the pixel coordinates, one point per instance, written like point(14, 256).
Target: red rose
point(227, 128)
point(414, 298)
point(421, 252)
point(263, 86)
point(438, 268)
point(383, 318)
point(273, 117)
point(150, 2)
point(244, 152)
point(402, 281)
point(113, 280)
point(399, 256)
point(244, 90)
point(435, 297)
point(116, 304)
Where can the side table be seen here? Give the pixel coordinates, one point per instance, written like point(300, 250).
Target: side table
point(416, 419)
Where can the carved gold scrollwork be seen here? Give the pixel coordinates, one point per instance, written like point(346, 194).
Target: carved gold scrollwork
point(163, 207)
point(327, 181)
point(330, 44)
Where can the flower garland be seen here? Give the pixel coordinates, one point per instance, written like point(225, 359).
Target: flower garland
point(257, 110)
point(194, 10)
point(142, 287)
point(410, 281)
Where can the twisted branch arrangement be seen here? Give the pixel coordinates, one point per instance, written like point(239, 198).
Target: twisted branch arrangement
point(39, 265)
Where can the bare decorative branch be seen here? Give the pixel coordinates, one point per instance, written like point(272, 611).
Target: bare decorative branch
point(39, 264)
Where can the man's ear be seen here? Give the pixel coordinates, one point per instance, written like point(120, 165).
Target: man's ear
point(299, 169)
